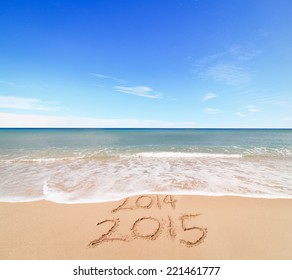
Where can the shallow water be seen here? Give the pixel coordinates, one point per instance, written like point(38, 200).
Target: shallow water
point(89, 165)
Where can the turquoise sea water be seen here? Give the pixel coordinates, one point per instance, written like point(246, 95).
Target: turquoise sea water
point(89, 165)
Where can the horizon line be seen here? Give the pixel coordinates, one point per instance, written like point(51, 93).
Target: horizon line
point(262, 128)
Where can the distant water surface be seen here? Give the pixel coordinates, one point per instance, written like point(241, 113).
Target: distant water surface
point(89, 165)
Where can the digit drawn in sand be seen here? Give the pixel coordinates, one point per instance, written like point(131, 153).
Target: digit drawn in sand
point(150, 228)
point(184, 219)
point(171, 230)
point(150, 236)
point(105, 237)
point(158, 203)
point(146, 202)
point(169, 199)
point(121, 206)
point(141, 201)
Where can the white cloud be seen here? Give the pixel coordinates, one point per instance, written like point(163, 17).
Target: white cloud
point(227, 66)
point(22, 86)
point(228, 73)
point(209, 96)
point(242, 53)
point(139, 91)
point(236, 53)
point(11, 84)
point(100, 76)
point(37, 121)
point(240, 115)
point(211, 111)
point(252, 109)
point(116, 80)
point(14, 102)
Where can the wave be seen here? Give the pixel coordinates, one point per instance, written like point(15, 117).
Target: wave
point(64, 198)
point(268, 152)
point(231, 152)
point(180, 155)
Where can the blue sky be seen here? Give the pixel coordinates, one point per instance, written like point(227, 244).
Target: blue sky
point(146, 63)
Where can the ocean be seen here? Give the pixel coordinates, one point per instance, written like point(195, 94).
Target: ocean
point(93, 165)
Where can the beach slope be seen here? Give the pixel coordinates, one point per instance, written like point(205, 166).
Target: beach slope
point(149, 227)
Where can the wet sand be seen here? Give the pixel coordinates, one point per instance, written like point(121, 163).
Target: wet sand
point(148, 227)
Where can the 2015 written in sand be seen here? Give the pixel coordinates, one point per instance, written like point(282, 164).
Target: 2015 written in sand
point(150, 227)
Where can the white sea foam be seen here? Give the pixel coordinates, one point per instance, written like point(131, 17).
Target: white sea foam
point(267, 152)
point(96, 180)
point(39, 160)
point(72, 166)
point(181, 155)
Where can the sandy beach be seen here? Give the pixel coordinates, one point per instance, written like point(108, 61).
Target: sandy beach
point(148, 227)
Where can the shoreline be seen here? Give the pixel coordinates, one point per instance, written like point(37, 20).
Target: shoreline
point(181, 194)
point(148, 226)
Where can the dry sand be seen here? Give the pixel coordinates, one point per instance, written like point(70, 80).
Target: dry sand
point(149, 227)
